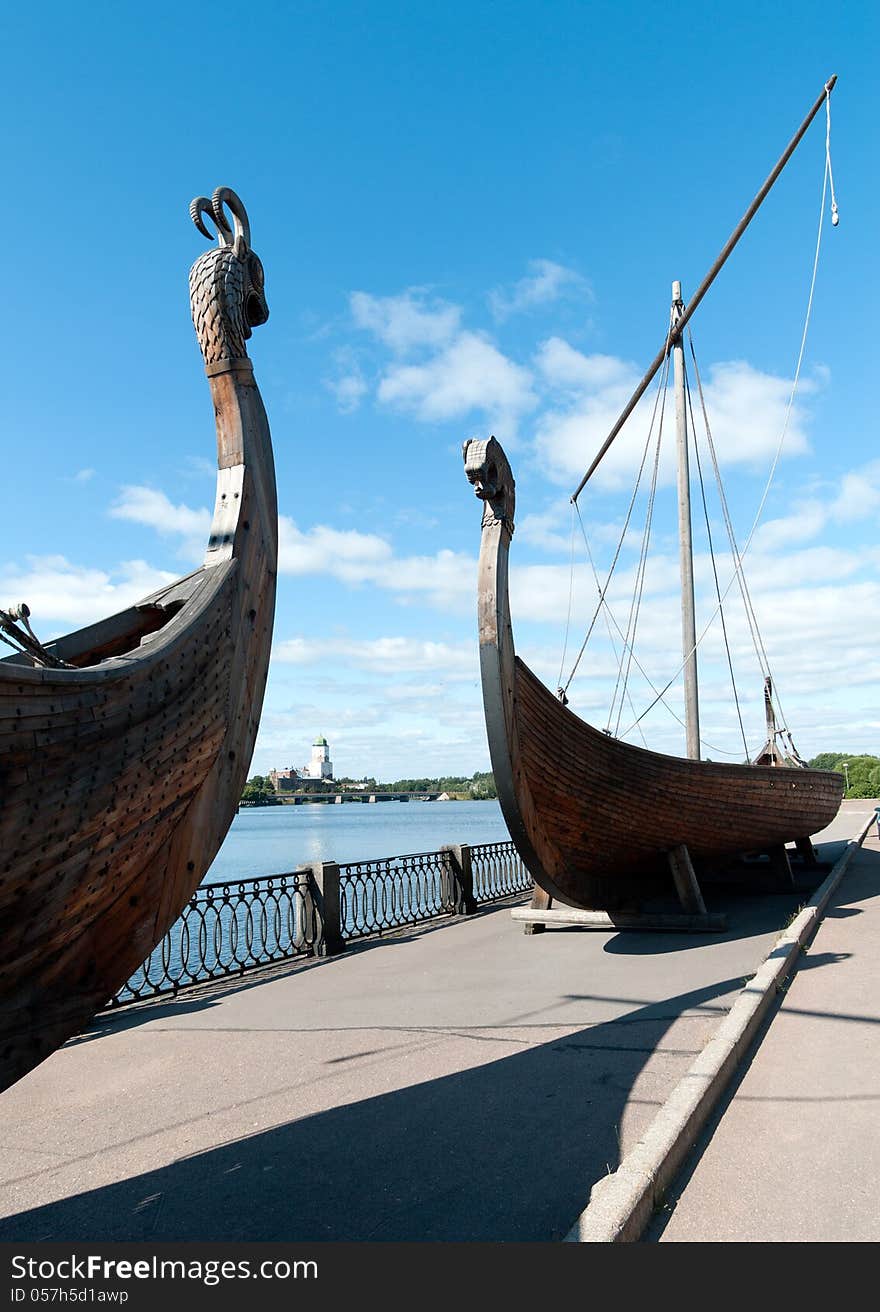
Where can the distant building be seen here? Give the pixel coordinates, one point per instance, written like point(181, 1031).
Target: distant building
point(320, 766)
point(310, 778)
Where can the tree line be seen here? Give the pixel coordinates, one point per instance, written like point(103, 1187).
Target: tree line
point(478, 787)
point(862, 772)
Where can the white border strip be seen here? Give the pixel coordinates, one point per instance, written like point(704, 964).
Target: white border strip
point(622, 1204)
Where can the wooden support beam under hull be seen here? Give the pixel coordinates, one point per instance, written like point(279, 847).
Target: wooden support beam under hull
point(620, 920)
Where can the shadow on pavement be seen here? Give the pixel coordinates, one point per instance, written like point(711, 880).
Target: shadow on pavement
point(208, 993)
point(505, 1151)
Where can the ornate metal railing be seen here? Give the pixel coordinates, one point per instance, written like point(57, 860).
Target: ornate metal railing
point(228, 929)
point(498, 871)
point(376, 896)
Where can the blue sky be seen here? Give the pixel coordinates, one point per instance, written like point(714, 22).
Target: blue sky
point(469, 217)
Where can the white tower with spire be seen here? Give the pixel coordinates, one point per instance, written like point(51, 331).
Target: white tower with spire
point(320, 766)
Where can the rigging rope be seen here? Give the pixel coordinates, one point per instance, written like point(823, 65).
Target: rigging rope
point(637, 724)
point(568, 616)
point(636, 603)
point(603, 605)
point(825, 179)
point(661, 392)
point(606, 612)
point(751, 617)
point(835, 217)
point(696, 446)
point(748, 605)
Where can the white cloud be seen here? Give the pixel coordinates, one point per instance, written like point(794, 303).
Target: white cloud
point(549, 529)
point(344, 553)
point(470, 374)
point(853, 499)
point(455, 372)
point(406, 321)
point(360, 558)
point(347, 383)
point(349, 390)
point(83, 475)
point(146, 505)
point(564, 366)
point(746, 411)
point(62, 593)
point(818, 564)
point(546, 282)
point(805, 522)
point(387, 655)
point(446, 579)
point(858, 495)
point(410, 739)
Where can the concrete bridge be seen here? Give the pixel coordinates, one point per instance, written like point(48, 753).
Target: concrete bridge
point(298, 799)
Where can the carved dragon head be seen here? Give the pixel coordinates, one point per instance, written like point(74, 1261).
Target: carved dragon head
point(226, 283)
point(488, 469)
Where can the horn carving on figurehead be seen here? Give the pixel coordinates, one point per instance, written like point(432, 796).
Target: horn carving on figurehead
point(227, 285)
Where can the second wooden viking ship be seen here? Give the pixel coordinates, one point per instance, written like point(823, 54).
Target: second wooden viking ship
point(124, 746)
point(606, 826)
point(598, 830)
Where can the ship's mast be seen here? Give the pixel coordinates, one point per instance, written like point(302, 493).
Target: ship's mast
point(685, 540)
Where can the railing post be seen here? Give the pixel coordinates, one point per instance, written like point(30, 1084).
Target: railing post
point(458, 878)
point(306, 934)
point(324, 887)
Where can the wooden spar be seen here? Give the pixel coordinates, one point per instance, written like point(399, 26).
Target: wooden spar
point(685, 540)
point(705, 284)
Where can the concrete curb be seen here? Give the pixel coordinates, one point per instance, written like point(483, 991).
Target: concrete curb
point(622, 1204)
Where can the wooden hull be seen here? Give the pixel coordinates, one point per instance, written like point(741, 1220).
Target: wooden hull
point(594, 818)
point(119, 780)
point(613, 811)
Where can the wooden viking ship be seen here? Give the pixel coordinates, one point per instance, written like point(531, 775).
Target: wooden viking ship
point(124, 746)
point(610, 825)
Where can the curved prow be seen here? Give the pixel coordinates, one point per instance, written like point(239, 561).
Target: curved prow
point(228, 300)
point(488, 470)
point(122, 763)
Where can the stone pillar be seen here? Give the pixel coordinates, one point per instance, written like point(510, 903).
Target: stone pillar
point(458, 879)
point(325, 892)
point(306, 932)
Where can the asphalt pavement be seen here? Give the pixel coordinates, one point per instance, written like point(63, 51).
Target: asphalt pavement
point(461, 1081)
point(793, 1153)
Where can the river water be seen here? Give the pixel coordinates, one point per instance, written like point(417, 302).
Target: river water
point(272, 840)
